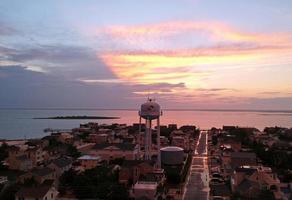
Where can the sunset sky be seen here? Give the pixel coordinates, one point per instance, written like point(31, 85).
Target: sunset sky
point(209, 54)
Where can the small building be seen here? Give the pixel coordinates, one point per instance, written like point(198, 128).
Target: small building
point(89, 162)
point(106, 131)
point(3, 180)
point(242, 158)
point(180, 141)
point(66, 138)
point(248, 180)
point(25, 158)
point(39, 174)
point(164, 141)
point(110, 151)
point(42, 192)
point(60, 165)
point(21, 162)
point(35, 154)
point(172, 126)
point(98, 138)
point(131, 170)
point(145, 190)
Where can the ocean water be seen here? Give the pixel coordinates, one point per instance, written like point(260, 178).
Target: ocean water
point(17, 124)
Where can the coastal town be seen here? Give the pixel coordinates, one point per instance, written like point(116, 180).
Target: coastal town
point(145, 100)
point(138, 161)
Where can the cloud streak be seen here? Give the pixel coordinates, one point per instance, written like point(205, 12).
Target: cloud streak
point(211, 30)
point(149, 54)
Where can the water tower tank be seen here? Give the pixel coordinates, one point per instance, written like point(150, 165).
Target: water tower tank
point(150, 110)
point(172, 155)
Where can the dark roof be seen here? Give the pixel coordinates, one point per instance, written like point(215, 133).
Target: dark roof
point(34, 191)
point(143, 198)
point(246, 185)
point(42, 171)
point(132, 163)
point(22, 157)
point(32, 148)
point(243, 155)
point(62, 162)
point(248, 171)
point(129, 140)
point(48, 182)
point(60, 149)
point(34, 142)
point(122, 146)
point(47, 137)
point(149, 177)
point(13, 148)
point(220, 190)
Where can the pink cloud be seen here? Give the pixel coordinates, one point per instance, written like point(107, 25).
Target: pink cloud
point(217, 31)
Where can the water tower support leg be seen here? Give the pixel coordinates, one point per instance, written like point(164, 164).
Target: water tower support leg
point(158, 144)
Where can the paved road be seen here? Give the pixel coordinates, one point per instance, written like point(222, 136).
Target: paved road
point(197, 186)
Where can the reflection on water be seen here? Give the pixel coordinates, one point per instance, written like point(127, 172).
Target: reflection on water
point(20, 123)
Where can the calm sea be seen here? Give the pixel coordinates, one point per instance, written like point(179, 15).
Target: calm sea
point(16, 124)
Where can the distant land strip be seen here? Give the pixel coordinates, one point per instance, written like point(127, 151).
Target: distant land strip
point(77, 117)
point(165, 109)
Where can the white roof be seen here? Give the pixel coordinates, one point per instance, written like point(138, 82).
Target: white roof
point(89, 157)
point(146, 185)
point(171, 148)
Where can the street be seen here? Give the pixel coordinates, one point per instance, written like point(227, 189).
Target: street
point(197, 186)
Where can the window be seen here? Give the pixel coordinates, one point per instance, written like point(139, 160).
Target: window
point(52, 195)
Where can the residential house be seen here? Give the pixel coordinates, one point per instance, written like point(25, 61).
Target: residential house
point(164, 141)
point(40, 174)
point(60, 165)
point(238, 159)
point(131, 170)
point(66, 138)
point(110, 151)
point(98, 138)
point(36, 155)
point(21, 162)
point(145, 190)
point(89, 162)
point(42, 192)
point(250, 180)
point(180, 139)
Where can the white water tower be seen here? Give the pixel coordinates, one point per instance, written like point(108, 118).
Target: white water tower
point(150, 111)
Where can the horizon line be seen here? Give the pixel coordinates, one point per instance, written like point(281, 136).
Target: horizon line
point(166, 109)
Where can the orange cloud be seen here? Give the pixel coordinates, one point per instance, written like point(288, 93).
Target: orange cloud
point(180, 65)
point(225, 46)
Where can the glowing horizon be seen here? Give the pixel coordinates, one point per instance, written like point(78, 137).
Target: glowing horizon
point(192, 52)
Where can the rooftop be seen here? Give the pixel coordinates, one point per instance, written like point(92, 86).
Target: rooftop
point(243, 155)
point(33, 192)
point(171, 148)
point(89, 157)
point(62, 162)
point(146, 185)
point(121, 146)
point(42, 171)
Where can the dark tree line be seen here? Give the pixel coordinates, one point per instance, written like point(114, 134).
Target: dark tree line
point(98, 183)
